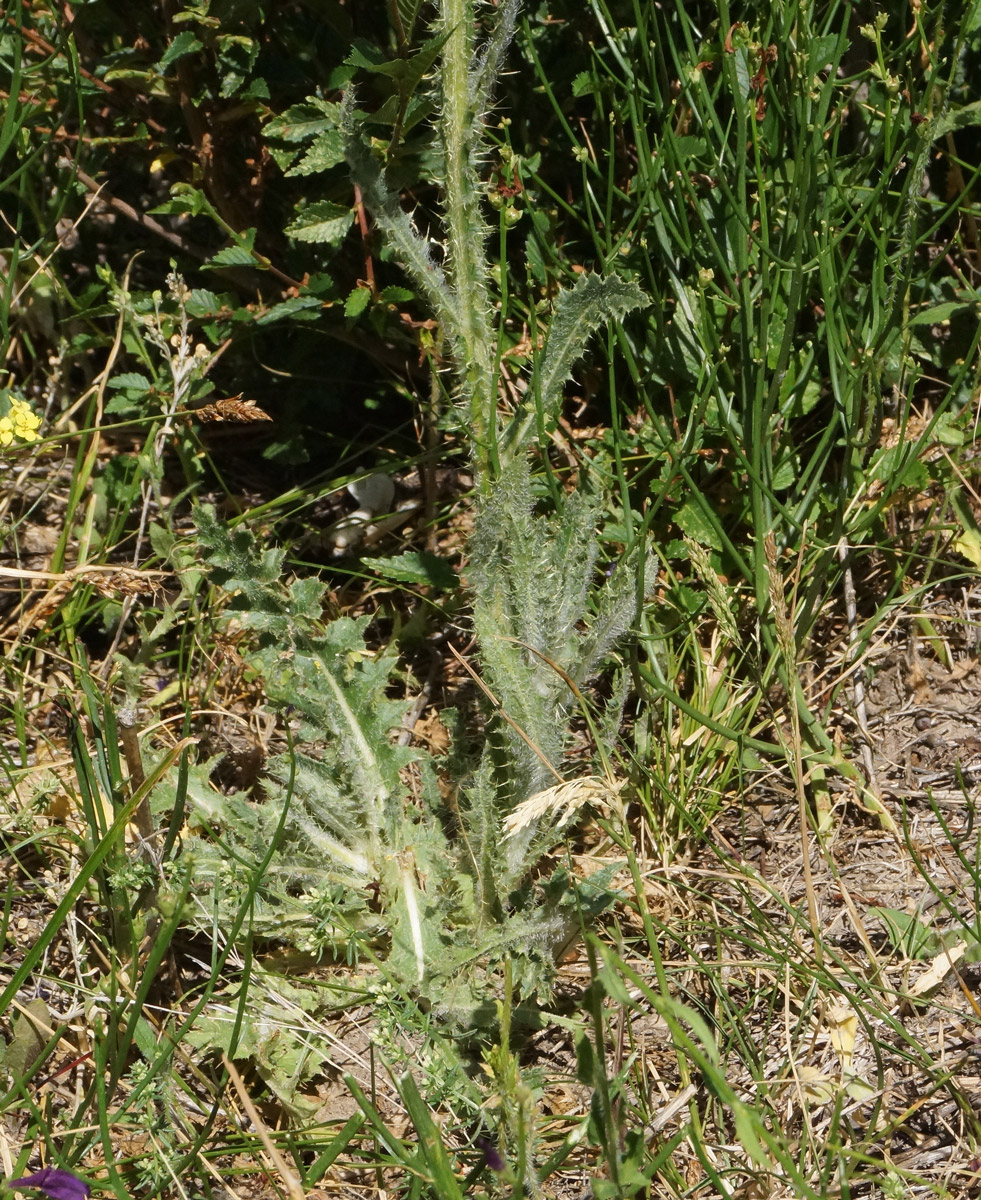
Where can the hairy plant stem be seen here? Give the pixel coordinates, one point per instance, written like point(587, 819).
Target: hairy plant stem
point(465, 235)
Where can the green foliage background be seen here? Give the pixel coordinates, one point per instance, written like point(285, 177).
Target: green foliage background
point(748, 236)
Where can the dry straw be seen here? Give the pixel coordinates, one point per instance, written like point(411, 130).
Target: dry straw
point(561, 802)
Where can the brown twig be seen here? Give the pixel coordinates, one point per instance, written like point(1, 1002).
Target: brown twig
point(46, 47)
point(141, 219)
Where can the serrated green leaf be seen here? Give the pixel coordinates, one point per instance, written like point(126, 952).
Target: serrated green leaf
point(283, 156)
point(236, 562)
point(579, 313)
point(296, 307)
point(947, 122)
point(357, 302)
point(304, 121)
point(184, 200)
point(307, 599)
point(232, 256)
point(689, 146)
point(691, 519)
point(145, 1038)
point(322, 222)
point(239, 255)
point(408, 11)
point(405, 71)
point(785, 471)
point(584, 84)
point(366, 55)
point(203, 303)
point(417, 566)
point(123, 404)
point(183, 44)
point(162, 540)
point(393, 294)
point(822, 51)
point(326, 152)
point(282, 1053)
point(132, 380)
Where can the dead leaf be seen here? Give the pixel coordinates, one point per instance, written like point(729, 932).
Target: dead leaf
point(935, 973)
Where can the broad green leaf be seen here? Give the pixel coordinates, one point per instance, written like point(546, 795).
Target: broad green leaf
point(968, 541)
point(131, 379)
point(908, 932)
point(689, 146)
point(300, 308)
point(691, 519)
point(406, 72)
point(396, 295)
point(948, 122)
point(938, 313)
point(184, 199)
point(233, 256)
point(357, 301)
point(584, 84)
point(203, 303)
point(239, 255)
point(785, 470)
point(408, 11)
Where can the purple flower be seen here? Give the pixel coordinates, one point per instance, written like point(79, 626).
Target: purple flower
point(58, 1184)
point(492, 1157)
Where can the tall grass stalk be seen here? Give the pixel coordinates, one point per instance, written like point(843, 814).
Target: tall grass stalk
point(776, 221)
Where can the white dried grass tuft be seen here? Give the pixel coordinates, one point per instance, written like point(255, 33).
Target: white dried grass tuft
point(562, 801)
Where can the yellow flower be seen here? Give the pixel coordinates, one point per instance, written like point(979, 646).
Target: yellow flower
point(20, 422)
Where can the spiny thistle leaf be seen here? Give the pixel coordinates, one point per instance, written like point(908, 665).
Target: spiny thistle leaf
point(579, 313)
point(487, 67)
point(339, 812)
point(533, 583)
point(235, 564)
point(409, 245)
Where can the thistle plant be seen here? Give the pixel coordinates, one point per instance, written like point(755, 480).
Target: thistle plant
point(455, 892)
point(461, 296)
point(531, 574)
